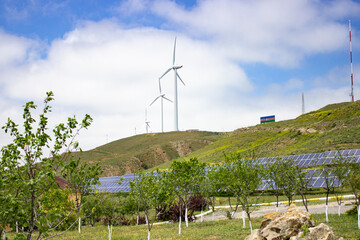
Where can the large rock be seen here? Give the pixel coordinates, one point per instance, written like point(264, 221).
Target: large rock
point(320, 232)
point(277, 226)
point(286, 225)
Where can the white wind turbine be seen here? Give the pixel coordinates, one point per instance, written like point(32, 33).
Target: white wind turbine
point(147, 123)
point(176, 75)
point(162, 97)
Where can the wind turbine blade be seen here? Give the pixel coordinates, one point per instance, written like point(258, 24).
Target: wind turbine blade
point(165, 73)
point(174, 52)
point(159, 86)
point(166, 98)
point(180, 78)
point(154, 100)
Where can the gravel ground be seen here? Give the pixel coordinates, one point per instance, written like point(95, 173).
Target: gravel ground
point(315, 209)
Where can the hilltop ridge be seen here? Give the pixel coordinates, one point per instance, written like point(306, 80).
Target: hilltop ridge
point(335, 126)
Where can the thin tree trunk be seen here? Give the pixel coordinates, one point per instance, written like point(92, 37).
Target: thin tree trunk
point(110, 230)
point(79, 224)
point(339, 210)
point(326, 209)
point(186, 217)
point(326, 214)
point(4, 236)
point(202, 217)
point(148, 234)
point(277, 202)
point(358, 217)
point(243, 217)
point(180, 219)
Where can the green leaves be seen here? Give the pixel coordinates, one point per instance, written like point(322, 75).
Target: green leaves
point(28, 192)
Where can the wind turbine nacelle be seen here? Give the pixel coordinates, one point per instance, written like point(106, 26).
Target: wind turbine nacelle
point(177, 67)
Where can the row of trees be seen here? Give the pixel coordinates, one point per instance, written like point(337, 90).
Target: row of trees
point(240, 178)
point(31, 199)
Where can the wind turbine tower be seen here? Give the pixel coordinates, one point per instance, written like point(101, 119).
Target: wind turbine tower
point(351, 67)
point(162, 97)
point(147, 125)
point(176, 75)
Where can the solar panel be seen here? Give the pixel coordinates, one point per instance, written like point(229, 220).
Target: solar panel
point(111, 184)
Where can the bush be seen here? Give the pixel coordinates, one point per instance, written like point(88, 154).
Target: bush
point(352, 211)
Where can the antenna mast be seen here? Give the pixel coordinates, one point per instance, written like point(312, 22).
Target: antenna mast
point(351, 67)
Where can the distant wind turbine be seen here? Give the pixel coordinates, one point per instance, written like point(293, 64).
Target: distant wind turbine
point(161, 96)
point(147, 123)
point(176, 75)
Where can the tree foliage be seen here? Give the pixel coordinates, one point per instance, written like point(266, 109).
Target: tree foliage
point(29, 193)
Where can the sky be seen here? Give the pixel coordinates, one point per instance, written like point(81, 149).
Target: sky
point(241, 60)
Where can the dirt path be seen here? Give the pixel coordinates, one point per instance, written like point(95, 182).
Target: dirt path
point(315, 209)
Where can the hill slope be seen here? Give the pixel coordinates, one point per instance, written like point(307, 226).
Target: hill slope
point(145, 151)
point(335, 126)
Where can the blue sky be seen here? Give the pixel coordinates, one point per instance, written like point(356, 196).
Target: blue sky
point(242, 60)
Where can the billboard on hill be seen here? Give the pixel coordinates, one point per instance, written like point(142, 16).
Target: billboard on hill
point(267, 119)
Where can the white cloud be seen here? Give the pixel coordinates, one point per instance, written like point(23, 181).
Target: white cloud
point(274, 32)
point(111, 71)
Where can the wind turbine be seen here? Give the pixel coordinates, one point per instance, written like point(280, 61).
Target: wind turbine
point(176, 75)
point(162, 97)
point(147, 125)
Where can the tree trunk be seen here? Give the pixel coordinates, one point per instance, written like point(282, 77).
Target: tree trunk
point(148, 234)
point(339, 210)
point(243, 217)
point(358, 217)
point(202, 217)
point(326, 213)
point(186, 217)
point(180, 219)
point(79, 224)
point(110, 230)
point(326, 209)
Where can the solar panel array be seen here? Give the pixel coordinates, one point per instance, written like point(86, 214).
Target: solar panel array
point(318, 180)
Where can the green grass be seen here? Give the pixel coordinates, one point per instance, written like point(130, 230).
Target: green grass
point(333, 127)
point(343, 226)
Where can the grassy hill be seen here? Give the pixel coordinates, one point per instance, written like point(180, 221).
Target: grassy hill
point(335, 126)
point(145, 151)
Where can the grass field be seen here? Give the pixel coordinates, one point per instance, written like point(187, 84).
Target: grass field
point(343, 226)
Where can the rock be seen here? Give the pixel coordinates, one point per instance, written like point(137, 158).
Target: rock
point(320, 232)
point(286, 225)
point(255, 235)
point(277, 226)
point(269, 217)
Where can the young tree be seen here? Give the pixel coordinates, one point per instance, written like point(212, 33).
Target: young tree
point(212, 185)
point(288, 178)
point(81, 178)
point(340, 169)
point(110, 208)
point(152, 190)
point(353, 180)
point(303, 181)
point(273, 174)
point(247, 176)
point(185, 177)
point(29, 175)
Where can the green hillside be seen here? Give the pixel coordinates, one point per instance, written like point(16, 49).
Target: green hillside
point(335, 126)
point(145, 151)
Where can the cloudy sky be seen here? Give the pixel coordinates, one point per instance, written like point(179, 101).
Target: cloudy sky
point(241, 60)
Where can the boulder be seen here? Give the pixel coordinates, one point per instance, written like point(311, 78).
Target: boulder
point(286, 225)
point(320, 232)
point(277, 226)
